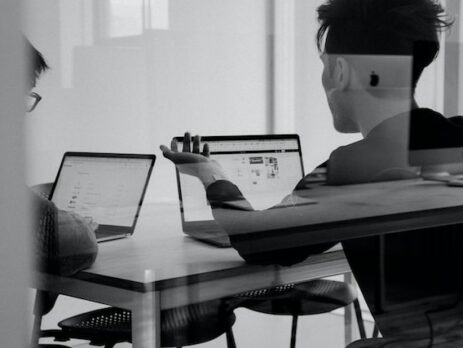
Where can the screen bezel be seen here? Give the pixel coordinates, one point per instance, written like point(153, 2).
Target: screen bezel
point(192, 226)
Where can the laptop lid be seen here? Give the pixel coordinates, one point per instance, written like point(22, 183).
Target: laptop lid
point(108, 188)
point(266, 168)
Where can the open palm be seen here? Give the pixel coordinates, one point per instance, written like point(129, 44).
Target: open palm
point(194, 162)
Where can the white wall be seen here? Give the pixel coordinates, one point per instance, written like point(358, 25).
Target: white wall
point(207, 73)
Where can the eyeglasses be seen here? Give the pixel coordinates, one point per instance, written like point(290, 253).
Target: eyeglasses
point(32, 100)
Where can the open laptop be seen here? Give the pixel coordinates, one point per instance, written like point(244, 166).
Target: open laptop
point(108, 188)
point(266, 168)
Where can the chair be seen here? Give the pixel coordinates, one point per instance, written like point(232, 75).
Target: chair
point(183, 326)
point(309, 298)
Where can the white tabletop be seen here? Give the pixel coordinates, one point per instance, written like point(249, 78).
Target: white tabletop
point(158, 255)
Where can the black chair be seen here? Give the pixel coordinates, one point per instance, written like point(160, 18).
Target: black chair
point(183, 326)
point(309, 298)
point(204, 322)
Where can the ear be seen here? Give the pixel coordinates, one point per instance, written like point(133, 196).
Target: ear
point(342, 73)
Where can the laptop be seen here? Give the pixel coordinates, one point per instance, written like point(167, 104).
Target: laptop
point(108, 188)
point(266, 168)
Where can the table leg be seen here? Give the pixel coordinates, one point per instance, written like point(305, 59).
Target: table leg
point(146, 322)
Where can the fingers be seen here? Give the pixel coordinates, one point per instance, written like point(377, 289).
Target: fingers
point(186, 147)
point(196, 143)
point(174, 145)
point(206, 151)
point(186, 142)
point(166, 151)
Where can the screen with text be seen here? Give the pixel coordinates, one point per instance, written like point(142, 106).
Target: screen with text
point(108, 190)
point(265, 170)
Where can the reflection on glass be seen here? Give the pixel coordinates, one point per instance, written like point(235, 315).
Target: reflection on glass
point(134, 88)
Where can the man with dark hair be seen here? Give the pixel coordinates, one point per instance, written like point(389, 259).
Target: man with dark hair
point(350, 30)
point(353, 36)
point(382, 27)
point(64, 243)
point(418, 265)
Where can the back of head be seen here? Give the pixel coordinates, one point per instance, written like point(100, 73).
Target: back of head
point(383, 27)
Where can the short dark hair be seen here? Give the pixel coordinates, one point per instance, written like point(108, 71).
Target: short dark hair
point(37, 64)
point(383, 27)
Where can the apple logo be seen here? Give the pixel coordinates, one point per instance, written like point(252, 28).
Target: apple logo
point(374, 79)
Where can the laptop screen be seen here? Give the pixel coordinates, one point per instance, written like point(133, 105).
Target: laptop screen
point(105, 187)
point(265, 168)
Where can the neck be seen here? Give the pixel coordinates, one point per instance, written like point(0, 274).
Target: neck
point(372, 111)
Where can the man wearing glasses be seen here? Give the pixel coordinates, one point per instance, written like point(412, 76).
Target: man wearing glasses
point(64, 243)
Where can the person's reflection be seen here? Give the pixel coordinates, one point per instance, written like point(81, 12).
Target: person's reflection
point(369, 89)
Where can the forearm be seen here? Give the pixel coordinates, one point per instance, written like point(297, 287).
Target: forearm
point(225, 194)
point(247, 228)
point(64, 243)
point(77, 243)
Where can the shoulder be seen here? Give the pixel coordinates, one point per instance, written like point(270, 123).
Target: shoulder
point(345, 156)
point(428, 118)
point(456, 120)
point(381, 156)
point(40, 205)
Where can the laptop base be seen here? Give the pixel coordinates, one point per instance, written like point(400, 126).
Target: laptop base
point(100, 238)
point(223, 242)
point(209, 232)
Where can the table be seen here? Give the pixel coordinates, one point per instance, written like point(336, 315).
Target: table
point(159, 268)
